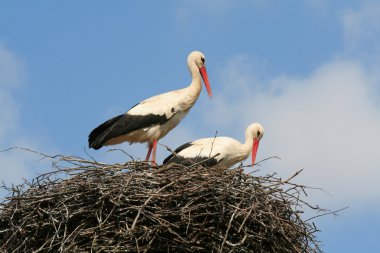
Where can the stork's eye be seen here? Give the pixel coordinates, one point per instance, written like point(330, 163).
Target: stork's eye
point(258, 133)
point(203, 60)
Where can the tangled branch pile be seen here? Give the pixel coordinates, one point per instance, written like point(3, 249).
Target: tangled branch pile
point(84, 206)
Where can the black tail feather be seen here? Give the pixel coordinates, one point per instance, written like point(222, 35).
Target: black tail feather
point(205, 161)
point(97, 136)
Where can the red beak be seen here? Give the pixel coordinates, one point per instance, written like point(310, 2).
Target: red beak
point(205, 80)
point(254, 150)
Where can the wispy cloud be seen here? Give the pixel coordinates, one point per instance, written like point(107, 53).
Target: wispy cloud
point(321, 6)
point(12, 70)
point(11, 77)
point(186, 8)
point(361, 28)
point(326, 122)
point(15, 164)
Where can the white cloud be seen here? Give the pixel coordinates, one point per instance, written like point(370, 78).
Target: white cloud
point(12, 70)
point(321, 6)
point(361, 27)
point(11, 76)
point(210, 7)
point(15, 164)
point(326, 123)
point(8, 114)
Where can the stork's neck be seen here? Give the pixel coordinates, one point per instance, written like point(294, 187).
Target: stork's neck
point(247, 146)
point(192, 91)
point(196, 79)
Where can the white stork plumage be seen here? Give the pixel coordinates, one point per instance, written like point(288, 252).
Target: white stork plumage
point(223, 151)
point(153, 118)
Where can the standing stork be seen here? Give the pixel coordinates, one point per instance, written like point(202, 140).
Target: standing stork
point(153, 118)
point(224, 151)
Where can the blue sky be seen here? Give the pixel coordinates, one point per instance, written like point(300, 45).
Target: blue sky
point(307, 70)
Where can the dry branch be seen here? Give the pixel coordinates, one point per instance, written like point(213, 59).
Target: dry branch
point(87, 206)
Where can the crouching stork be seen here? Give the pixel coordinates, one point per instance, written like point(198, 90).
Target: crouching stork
point(222, 151)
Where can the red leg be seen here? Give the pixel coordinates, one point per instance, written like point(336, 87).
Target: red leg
point(154, 151)
point(149, 151)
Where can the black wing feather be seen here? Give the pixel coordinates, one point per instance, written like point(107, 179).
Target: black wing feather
point(121, 125)
point(206, 161)
point(179, 149)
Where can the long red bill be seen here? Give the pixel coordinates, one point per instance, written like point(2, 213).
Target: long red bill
point(254, 150)
point(205, 80)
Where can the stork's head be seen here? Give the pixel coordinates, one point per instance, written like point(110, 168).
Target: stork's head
point(199, 60)
point(256, 132)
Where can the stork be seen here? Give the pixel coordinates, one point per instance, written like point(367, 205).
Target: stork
point(151, 119)
point(223, 151)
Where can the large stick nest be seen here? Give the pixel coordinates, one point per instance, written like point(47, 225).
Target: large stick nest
point(84, 206)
